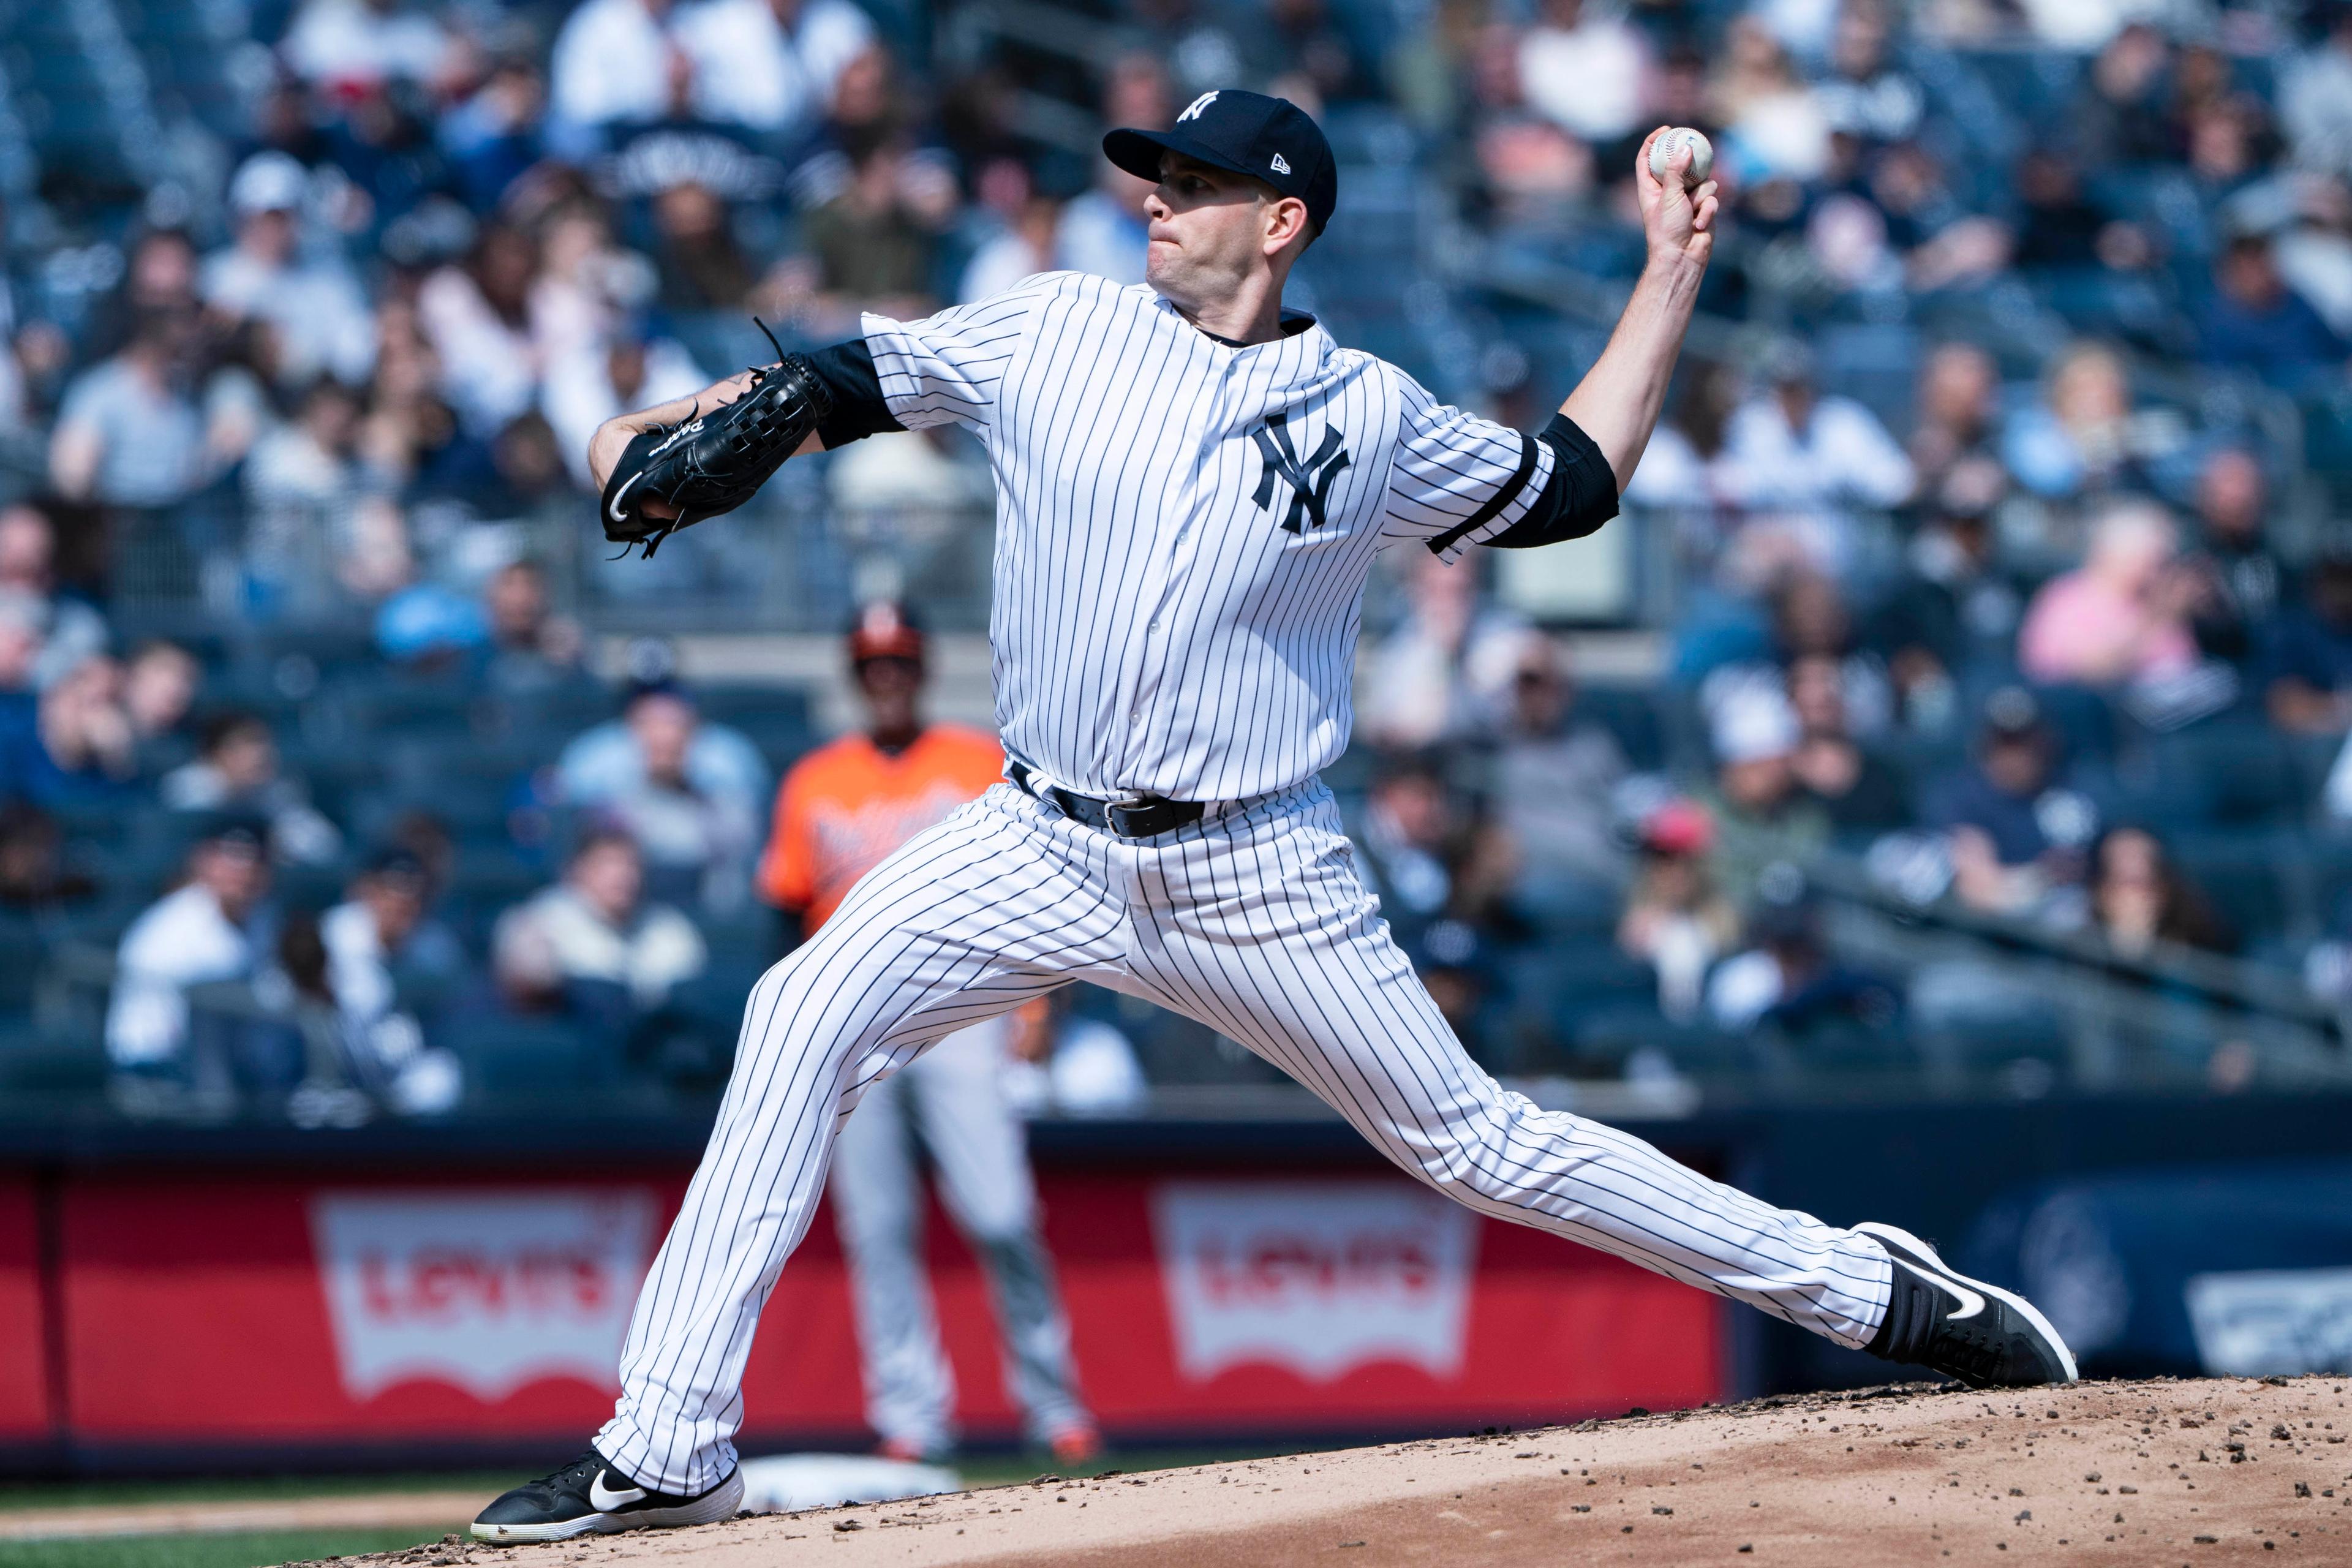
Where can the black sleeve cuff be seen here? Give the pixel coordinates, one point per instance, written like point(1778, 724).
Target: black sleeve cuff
point(1581, 495)
point(858, 409)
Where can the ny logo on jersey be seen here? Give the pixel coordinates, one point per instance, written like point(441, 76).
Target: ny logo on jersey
point(1310, 482)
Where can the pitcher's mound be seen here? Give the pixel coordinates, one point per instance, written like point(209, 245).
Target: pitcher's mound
point(2142, 1473)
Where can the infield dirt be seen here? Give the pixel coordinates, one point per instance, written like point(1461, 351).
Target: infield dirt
point(2143, 1473)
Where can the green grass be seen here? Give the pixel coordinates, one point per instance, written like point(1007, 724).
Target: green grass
point(16, 1495)
point(209, 1550)
point(261, 1549)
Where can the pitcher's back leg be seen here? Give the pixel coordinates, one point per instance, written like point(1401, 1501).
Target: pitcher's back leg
point(966, 920)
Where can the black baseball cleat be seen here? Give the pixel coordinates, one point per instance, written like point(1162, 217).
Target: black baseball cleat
point(1963, 1328)
point(588, 1497)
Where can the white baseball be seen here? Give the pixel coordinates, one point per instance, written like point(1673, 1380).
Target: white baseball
point(1663, 150)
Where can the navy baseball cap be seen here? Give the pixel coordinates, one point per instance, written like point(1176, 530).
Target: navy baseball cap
point(1268, 138)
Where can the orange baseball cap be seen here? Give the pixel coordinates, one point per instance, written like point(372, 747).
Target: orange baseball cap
point(883, 631)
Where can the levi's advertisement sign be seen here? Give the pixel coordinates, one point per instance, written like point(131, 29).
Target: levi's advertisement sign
point(1316, 1276)
point(2273, 1321)
point(486, 1291)
point(261, 1308)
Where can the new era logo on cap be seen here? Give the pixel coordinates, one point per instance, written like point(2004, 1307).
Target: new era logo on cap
point(1268, 138)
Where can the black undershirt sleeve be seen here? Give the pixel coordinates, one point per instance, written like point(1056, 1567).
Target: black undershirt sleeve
point(858, 411)
point(1581, 495)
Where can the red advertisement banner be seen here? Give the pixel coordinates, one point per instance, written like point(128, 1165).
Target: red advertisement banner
point(261, 1311)
point(25, 1414)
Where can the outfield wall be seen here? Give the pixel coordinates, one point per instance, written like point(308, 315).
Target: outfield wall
point(433, 1294)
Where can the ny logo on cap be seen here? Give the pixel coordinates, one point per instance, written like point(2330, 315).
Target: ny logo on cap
point(1281, 165)
point(1193, 111)
point(1310, 483)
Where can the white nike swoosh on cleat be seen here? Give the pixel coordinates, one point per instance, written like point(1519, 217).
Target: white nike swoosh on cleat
point(1971, 1302)
point(1942, 1273)
point(605, 1501)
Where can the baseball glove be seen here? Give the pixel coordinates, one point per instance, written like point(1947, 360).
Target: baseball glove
point(712, 463)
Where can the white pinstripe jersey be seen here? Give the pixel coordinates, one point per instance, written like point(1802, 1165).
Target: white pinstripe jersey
point(1185, 528)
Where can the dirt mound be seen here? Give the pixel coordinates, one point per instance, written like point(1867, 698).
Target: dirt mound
point(2145, 1473)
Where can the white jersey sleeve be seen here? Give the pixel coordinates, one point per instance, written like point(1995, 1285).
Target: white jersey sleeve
point(945, 369)
point(1457, 479)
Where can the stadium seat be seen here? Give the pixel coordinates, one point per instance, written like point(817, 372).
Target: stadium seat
point(2223, 772)
point(2258, 883)
point(509, 1059)
point(2084, 720)
point(35, 1063)
point(2025, 1049)
point(1614, 1034)
point(1631, 716)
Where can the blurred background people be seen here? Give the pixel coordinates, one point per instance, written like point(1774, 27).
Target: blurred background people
point(597, 951)
point(206, 929)
point(2122, 616)
point(1675, 920)
point(385, 968)
point(236, 768)
point(2016, 836)
point(688, 792)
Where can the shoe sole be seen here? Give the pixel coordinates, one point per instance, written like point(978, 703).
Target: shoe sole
point(2023, 1308)
point(723, 1501)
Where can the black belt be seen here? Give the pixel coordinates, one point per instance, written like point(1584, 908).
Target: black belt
point(1145, 816)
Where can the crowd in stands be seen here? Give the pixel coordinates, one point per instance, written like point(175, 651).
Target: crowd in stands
point(1988, 541)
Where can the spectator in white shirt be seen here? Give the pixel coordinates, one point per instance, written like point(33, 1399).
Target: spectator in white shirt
point(1058, 1060)
point(320, 316)
point(596, 381)
point(1447, 670)
point(593, 933)
point(1102, 231)
point(1795, 451)
point(130, 433)
point(478, 319)
point(615, 62)
point(236, 769)
point(2315, 101)
point(1864, 93)
point(1030, 244)
point(587, 285)
point(770, 65)
point(302, 482)
point(366, 939)
point(690, 794)
point(345, 43)
point(200, 932)
point(71, 630)
point(1584, 72)
point(1773, 126)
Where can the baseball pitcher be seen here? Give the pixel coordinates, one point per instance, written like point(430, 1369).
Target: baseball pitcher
point(1191, 483)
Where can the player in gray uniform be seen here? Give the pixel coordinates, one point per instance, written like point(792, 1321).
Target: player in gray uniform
point(1191, 483)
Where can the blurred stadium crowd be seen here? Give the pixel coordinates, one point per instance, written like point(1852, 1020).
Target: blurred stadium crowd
point(1985, 567)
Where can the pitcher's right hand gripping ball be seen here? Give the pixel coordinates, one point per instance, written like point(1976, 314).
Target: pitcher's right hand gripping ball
point(712, 463)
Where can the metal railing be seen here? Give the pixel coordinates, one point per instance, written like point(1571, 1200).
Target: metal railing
point(2044, 1009)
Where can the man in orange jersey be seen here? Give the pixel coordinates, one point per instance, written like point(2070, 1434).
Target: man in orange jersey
point(843, 809)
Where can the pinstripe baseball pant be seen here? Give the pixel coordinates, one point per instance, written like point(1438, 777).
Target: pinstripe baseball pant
point(1255, 923)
